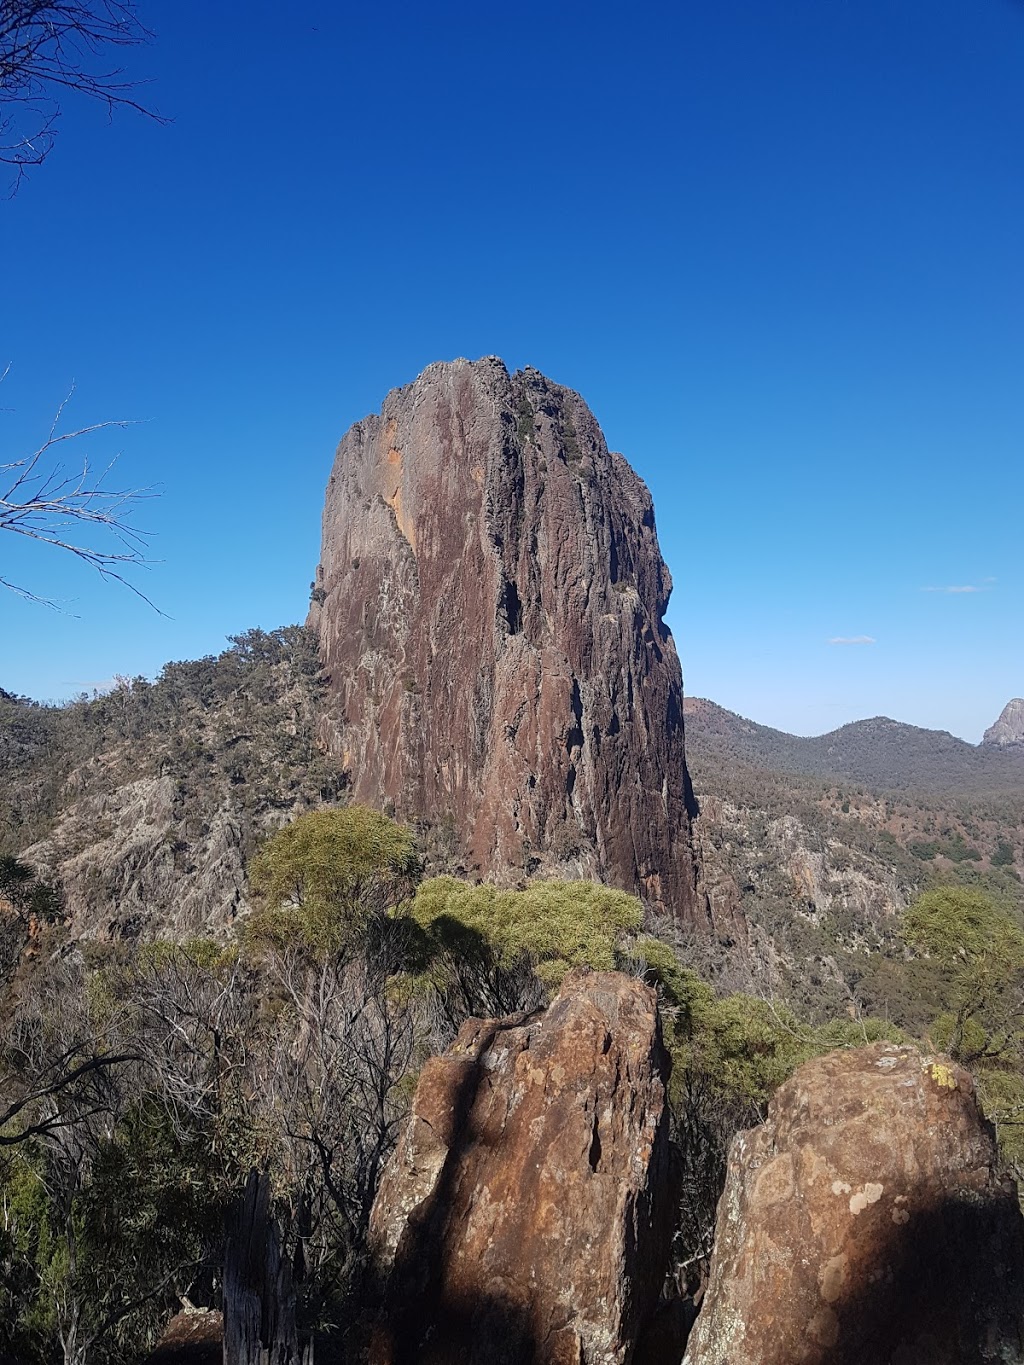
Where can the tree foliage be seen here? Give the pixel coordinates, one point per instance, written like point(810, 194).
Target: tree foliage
point(553, 925)
point(331, 875)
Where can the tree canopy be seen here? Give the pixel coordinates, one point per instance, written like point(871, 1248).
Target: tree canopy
point(330, 873)
point(555, 925)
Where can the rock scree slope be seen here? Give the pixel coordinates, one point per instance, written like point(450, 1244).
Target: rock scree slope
point(490, 608)
point(526, 1214)
point(863, 1224)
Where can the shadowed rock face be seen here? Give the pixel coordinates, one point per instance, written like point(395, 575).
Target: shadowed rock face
point(862, 1224)
point(490, 606)
point(526, 1214)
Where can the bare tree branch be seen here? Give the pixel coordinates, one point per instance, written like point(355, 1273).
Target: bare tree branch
point(60, 1078)
point(44, 500)
point(48, 47)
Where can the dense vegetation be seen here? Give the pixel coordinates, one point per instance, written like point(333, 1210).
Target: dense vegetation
point(210, 967)
point(819, 870)
point(241, 724)
point(142, 1082)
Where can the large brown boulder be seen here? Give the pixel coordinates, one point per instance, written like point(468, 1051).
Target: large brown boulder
point(863, 1224)
point(490, 606)
point(526, 1215)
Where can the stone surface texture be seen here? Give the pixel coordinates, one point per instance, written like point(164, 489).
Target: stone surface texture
point(195, 1336)
point(1009, 728)
point(526, 1215)
point(863, 1222)
point(490, 606)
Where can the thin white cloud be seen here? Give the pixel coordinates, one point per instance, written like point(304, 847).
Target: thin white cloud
point(852, 640)
point(964, 587)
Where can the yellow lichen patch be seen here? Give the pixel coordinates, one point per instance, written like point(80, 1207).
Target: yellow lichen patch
point(942, 1075)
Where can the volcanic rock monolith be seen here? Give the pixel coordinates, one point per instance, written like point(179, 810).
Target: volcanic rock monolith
point(864, 1224)
point(526, 1215)
point(490, 608)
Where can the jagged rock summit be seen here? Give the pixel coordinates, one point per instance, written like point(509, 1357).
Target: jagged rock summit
point(1009, 728)
point(490, 607)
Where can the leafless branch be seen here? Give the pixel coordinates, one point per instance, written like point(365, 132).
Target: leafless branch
point(47, 501)
point(49, 47)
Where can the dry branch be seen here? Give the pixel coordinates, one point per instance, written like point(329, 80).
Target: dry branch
point(49, 47)
point(47, 501)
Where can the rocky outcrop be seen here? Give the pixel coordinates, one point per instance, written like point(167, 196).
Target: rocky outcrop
point(490, 606)
point(862, 1224)
point(195, 1336)
point(1009, 728)
point(526, 1214)
point(145, 805)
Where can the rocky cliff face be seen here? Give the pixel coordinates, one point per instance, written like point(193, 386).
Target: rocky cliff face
point(1009, 728)
point(490, 606)
point(863, 1222)
point(526, 1215)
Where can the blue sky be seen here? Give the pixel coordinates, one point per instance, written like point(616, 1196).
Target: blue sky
point(777, 246)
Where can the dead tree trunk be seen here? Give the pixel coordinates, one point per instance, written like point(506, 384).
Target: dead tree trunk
point(259, 1296)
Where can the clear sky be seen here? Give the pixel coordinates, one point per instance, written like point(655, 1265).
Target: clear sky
point(778, 245)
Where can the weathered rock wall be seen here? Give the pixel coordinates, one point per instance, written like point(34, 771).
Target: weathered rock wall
point(490, 605)
point(526, 1215)
point(863, 1224)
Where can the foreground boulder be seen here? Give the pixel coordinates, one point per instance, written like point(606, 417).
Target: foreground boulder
point(490, 607)
point(195, 1336)
point(526, 1215)
point(862, 1224)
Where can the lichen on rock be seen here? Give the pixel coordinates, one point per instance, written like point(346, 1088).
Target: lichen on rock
point(896, 1244)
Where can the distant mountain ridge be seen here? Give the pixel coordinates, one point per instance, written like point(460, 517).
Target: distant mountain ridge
point(880, 752)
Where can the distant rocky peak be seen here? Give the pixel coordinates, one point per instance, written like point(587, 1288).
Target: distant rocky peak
point(1009, 728)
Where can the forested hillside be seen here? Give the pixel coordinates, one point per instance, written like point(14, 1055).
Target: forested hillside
point(884, 754)
point(214, 963)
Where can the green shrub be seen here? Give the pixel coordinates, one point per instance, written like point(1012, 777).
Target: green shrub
point(328, 875)
point(556, 925)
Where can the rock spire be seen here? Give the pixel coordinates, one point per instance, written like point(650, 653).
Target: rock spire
point(490, 606)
